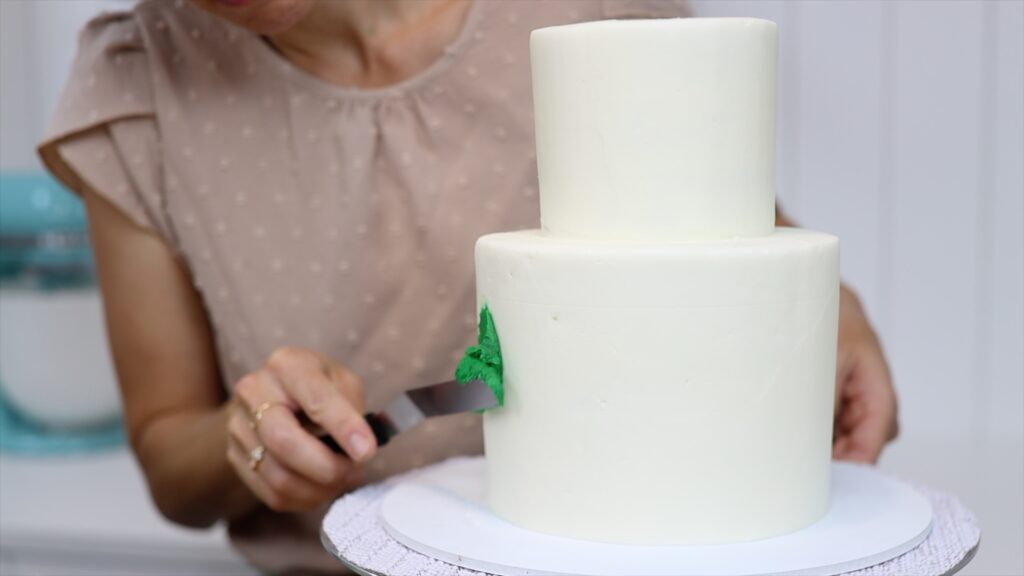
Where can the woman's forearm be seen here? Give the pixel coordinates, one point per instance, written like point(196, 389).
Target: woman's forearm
point(162, 342)
point(183, 457)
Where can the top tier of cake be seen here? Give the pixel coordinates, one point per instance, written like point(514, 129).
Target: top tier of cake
point(656, 130)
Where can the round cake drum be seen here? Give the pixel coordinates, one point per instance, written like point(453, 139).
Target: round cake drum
point(872, 518)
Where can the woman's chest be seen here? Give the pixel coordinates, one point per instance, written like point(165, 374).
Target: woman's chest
point(351, 230)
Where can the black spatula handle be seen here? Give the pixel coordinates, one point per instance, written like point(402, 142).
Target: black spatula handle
point(382, 431)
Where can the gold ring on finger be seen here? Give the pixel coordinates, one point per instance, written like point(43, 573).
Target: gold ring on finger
point(256, 457)
point(257, 415)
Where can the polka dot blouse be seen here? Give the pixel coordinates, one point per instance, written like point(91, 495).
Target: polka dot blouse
point(314, 215)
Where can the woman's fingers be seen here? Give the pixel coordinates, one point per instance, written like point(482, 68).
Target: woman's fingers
point(865, 442)
point(258, 392)
point(297, 449)
point(839, 448)
point(239, 460)
point(852, 413)
point(309, 382)
point(295, 470)
point(281, 433)
point(278, 486)
point(868, 418)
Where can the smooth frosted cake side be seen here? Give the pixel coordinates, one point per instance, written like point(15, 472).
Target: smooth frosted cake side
point(669, 356)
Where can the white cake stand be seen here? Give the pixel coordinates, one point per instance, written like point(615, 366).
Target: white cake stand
point(433, 522)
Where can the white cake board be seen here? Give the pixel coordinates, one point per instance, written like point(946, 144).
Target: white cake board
point(354, 532)
point(872, 518)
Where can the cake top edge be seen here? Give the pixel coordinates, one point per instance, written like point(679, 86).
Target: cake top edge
point(647, 24)
point(781, 237)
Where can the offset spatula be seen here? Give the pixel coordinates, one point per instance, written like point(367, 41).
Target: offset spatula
point(417, 405)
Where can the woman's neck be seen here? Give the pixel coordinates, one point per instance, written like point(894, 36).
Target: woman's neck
point(372, 43)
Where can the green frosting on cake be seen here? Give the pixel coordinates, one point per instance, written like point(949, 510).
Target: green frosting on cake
point(483, 361)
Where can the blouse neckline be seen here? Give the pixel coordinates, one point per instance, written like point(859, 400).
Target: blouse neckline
point(436, 68)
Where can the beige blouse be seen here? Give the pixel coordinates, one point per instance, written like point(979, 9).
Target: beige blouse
point(313, 215)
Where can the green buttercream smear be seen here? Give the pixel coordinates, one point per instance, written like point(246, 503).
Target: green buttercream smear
point(483, 361)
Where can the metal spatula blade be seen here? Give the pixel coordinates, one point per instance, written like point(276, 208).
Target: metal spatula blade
point(415, 406)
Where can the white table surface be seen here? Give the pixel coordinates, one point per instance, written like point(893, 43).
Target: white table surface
point(91, 514)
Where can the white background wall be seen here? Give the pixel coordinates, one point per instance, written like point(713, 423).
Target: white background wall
point(901, 131)
point(37, 43)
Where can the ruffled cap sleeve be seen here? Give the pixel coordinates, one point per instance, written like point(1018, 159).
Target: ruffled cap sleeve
point(104, 133)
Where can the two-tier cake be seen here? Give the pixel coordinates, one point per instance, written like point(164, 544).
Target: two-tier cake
point(668, 354)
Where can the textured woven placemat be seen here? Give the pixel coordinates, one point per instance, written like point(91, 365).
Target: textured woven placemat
point(352, 531)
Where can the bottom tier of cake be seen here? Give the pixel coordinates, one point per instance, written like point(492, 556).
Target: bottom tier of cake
point(662, 394)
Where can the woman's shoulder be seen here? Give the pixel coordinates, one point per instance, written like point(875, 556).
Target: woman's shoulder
point(155, 34)
point(150, 26)
point(108, 79)
point(105, 128)
point(170, 33)
point(127, 58)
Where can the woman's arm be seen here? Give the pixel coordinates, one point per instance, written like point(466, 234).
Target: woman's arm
point(192, 441)
point(175, 404)
point(866, 407)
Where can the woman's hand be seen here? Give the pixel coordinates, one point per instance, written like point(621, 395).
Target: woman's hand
point(296, 471)
point(866, 416)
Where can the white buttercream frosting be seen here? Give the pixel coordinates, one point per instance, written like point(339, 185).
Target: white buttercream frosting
point(669, 356)
point(662, 394)
point(656, 129)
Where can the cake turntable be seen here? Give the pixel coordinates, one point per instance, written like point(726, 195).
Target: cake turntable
point(434, 521)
